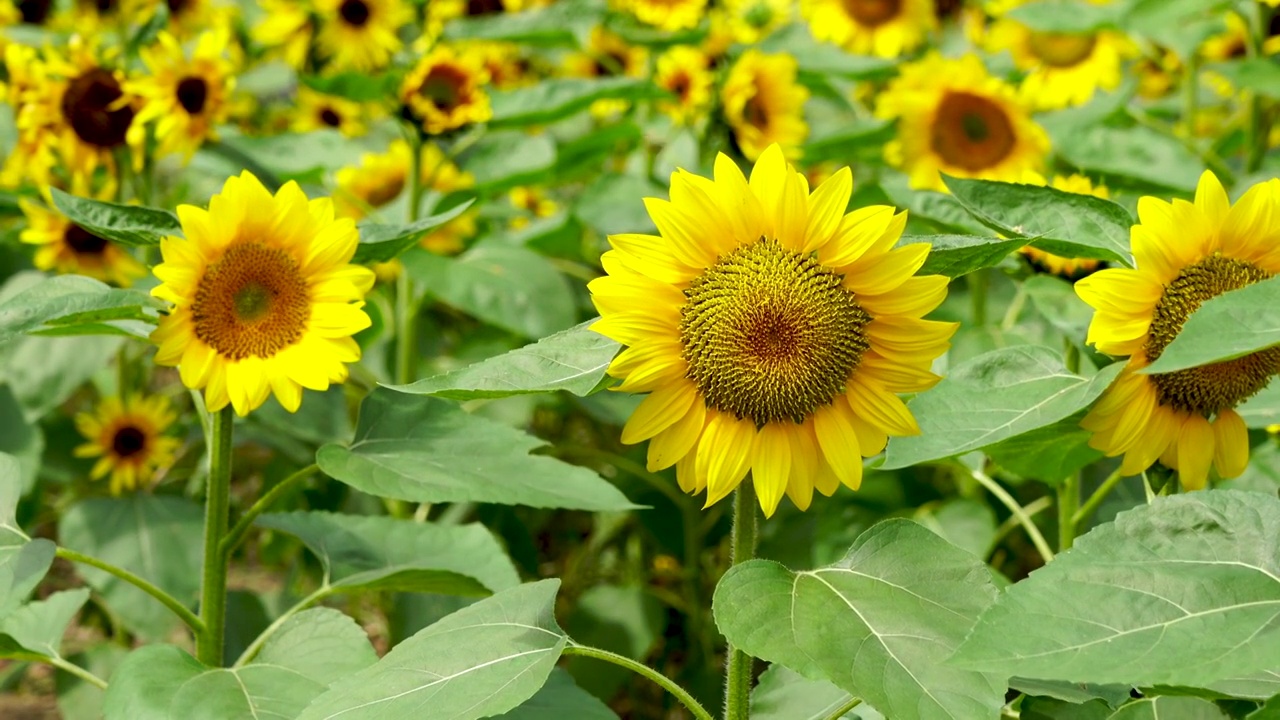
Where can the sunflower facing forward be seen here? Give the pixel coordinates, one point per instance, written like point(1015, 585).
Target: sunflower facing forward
point(887, 28)
point(186, 98)
point(770, 329)
point(127, 437)
point(764, 104)
point(1184, 253)
point(265, 298)
point(360, 35)
point(444, 91)
point(955, 118)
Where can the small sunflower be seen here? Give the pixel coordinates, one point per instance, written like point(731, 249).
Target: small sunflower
point(286, 30)
point(770, 329)
point(669, 15)
point(683, 72)
point(1069, 268)
point(1185, 253)
point(1062, 68)
point(886, 28)
point(607, 55)
point(65, 247)
point(265, 299)
point(506, 66)
point(317, 111)
point(29, 12)
point(532, 203)
point(764, 104)
point(90, 17)
point(127, 436)
point(444, 91)
point(360, 35)
point(955, 118)
point(751, 21)
point(186, 98)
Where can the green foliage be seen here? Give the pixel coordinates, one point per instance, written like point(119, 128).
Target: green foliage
point(71, 300)
point(1231, 325)
point(130, 225)
point(37, 627)
point(380, 242)
point(553, 100)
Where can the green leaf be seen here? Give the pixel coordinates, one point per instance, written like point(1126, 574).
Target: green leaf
point(965, 523)
point(560, 699)
point(1262, 410)
point(321, 644)
point(1111, 695)
point(1050, 453)
point(38, 626)
point(421, 449)
point(42, 372)
point(144, 685)
point(940, 209)
point(20, 441)
point(1058, 303)
point(1039, 708)
point(783, 694)
point(614, 203)
point(1183, 591)
point(510, 287)
point(71, 300)
point(131, 225)
point(252, 691)
point(553, 25)
point(381, 243)
point(304, 157)
point(1067, 16)
point(848, 138)
point(1270, 710)
point(1063, 223)
point(482, 660)
point(503, 160)
point(1138, 153)
point(573, 360)
point(819, 60)
point(402, 555)
point(23, 561)
point(1261, 75)
point(157, 537)
point(1231, 325)
point(878, 624)
point(356, 86)
point(956, 255)
point(1169, 706)
point(558, 98)
point(1180, 25)
point(150, 30)
point(994, 397)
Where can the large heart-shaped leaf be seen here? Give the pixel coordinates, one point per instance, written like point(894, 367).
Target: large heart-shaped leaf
point(551, 100)
point(1184, 591)
point(1228, 326)
point(425, 450)
point(321, 643)
point(783, 694)
point(956, 255)
point(879, 624)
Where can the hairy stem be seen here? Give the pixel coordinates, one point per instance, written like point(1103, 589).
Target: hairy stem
point(236, 534)
point(738, 664)
point(145, 586)
point(213, 586)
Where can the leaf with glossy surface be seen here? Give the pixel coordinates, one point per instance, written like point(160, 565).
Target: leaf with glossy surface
point(554, 99)
point(1184, 591)
point(482, 660)
point(131, 225)
point(879, 624)
point(38, 626)
point(995, 396)
point(1231, 325)
point(1169, 706)
point(157, 537)
point(383, 243)
point(421, 449)
point(784, 694)
point(68, 300)
point(321, 644)
point(956, 255)
point(573, 360)
point(1063, 223)
point(401, 555)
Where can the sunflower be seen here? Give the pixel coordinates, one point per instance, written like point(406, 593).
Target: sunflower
point(360, 35)
point(65, 247)
point(669, 15)
point(185, 97)
point(887, 28)
point(90, 17)
point(955, 118)
point(770, 329)
point(1062, 68)
point(503, 61)
point(28, 12)
point(683, 72)
point(608, 55)
point(1185, 253)
point(444, 91)
point(764, 104)
point(32, 157)
point(265, 299)
point(317, 111)
point(532, 203)
point(1069, 268)
point(751, 21)
point(286, 30)
point(127, 436)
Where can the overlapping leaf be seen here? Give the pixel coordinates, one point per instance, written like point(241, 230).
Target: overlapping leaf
point(68, 300)
point(381, 243)
point(132, 225)
point(1228, 326)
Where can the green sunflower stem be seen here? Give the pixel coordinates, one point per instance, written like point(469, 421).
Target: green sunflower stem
point(738, 664)
point(213, 586)
point(1068, 506)
point(689, 702)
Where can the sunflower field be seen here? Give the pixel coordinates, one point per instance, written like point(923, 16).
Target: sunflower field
point(640, 359)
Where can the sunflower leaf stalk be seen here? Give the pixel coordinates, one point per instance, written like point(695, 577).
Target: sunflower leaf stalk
point(742, 547)
point(213, 586)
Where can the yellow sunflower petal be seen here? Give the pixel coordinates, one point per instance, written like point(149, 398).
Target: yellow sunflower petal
point(771, 466)
point(826, 209)
point(1230, 444)
point(669, 446)
point(659, 411)
point(724, 454)
point(839, 443)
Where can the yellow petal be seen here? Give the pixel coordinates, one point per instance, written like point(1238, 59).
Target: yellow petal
point(724, 454)
point(659, 411)
point(881, 408)
point(858, 232)
point(671, 445)
point(771, 466)
point(1230, 444)
point(839, 443)
point(1211, 198)
point(826, 208)
point(878, 274)
point(1195, 452)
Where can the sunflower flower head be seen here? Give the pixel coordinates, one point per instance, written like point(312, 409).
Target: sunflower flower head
point(360, 35)
point(444, 91)
point(128, 438)
point(751, 21)
point(318, 111)
point(607, 55)
point(531, 203)
point(1184, 254)
point(265, 299)
point(65, 247)
point(955, 118)
point(886, 28)
point(1061, 69)
point(764, 105)
point(770, 329)
point(185, 97)
point(286, 29)
point(683, 71)
point(669, 15)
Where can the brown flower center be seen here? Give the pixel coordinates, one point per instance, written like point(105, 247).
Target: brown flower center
point(484, 7)
point(443, 87)
point(89, 107)
point(35, 12)
point(354, 12)
point(872, 13)
point(971, 132)
point(128, 441)
point(83, 242)
point(330, 117)
point(771, 334)
point(1062, 50)
point(254, 301)
point(1208, 389)
point(192, 94)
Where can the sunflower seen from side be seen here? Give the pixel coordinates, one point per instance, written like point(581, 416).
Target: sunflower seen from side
point(1184, 254)
point(955, 118)
point(1062, 69)
point(764, 104)
point(360, 35)
point(186, 98)
point(65, 247)
point(128, 439)
point(445, 91)
point(770, 329)
point(265, 299)
point(886, 28)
